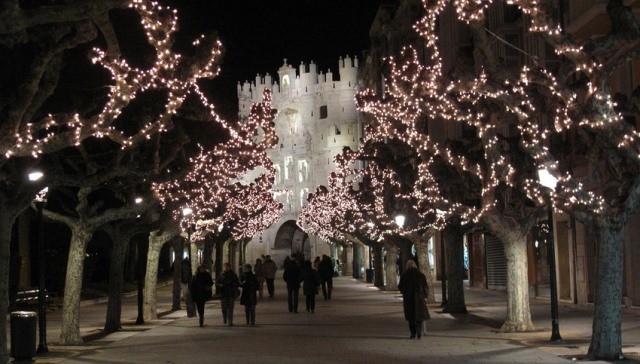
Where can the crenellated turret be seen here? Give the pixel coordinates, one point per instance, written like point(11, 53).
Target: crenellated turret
point(348, 70)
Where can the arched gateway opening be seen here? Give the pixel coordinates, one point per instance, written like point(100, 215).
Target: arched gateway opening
point(292, 239)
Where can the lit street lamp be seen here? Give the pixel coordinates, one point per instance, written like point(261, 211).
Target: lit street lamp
point(549, 181)
point(40, 201)
point(400, 220)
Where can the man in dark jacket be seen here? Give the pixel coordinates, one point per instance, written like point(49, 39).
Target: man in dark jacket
point(269, 267)
point(200, 290)
point(249, 298)
point(227, 285)
point(293, 276)
point(325, 270)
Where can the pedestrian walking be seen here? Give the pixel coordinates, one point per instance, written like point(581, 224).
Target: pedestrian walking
point(258, 270)
point(293, 276)
point(200, 290)
point(414, 289)
point(310, 284)
point(228, 287)
point(270, 268)
point(325, 270)
point(249, 298)
point(316, 263)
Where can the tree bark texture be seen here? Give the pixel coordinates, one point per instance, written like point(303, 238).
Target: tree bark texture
point(422, 252)
point(391, 268)
point(156, 241)
point(606, 337)
point(378, 264)
point(518, 310)
point(6, 222)
point(514, 240)
point(455, 269)
point(207, 254)
point(113, 321)
point(70, 330)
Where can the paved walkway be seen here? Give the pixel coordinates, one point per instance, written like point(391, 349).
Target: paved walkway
point(360, 324)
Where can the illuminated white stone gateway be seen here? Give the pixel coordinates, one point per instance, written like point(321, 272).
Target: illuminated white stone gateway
point(316, 118)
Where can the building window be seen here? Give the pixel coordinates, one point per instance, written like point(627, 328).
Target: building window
point(323, 112)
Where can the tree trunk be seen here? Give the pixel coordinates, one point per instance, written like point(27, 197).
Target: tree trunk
point(606, 337)
point(70, 330)
point(455, 268)
point(113, 321)
point(391, 268)
point(207, 259)
point(219, 252)
point(518, 309)
point(6, 222)
point(150, 310)
point(422, 252)
point(378, 264)
point(513, 235)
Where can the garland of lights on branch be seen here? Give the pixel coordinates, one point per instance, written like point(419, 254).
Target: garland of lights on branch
point(415, 90)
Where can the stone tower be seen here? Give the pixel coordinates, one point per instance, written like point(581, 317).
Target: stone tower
point(316, 118)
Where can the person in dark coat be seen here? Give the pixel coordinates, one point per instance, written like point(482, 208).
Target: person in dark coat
point(414, 288)
point(293, 276)
point(310, 283)
point(227, 285)
point(269, 267)
point(259, 272)
point(325, 270)
point(200, 290)
point(249, 298)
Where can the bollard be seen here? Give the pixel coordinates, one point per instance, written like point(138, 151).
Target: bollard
point(23, 336)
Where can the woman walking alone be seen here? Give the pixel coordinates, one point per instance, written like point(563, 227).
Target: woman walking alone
point(414, 288)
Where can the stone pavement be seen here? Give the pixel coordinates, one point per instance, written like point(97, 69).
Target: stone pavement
point(360, 324)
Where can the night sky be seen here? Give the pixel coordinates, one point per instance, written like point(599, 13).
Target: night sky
point(259, 34)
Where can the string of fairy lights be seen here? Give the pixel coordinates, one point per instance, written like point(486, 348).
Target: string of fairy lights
point(208, 189)
point(416, 90)
point(169, 72)
point(214, 188)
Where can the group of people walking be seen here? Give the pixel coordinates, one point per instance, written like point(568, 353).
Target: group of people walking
point(249, 286)
point(312, 276)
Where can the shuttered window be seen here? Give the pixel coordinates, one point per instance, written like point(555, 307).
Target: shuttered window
point(496, 263)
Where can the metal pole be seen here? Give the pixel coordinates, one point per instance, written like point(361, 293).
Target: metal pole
point(189, 246)
point(553, 284)
point(443, 274)
point(42, 304)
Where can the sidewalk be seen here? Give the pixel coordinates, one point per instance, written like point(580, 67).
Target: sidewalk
point(360, 324)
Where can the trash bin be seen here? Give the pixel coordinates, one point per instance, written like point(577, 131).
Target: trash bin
point(369, 275)
point(23, 335)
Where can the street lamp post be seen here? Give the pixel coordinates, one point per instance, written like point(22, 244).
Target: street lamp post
point(443, 271)
point(549, 181)
point(40, 201)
